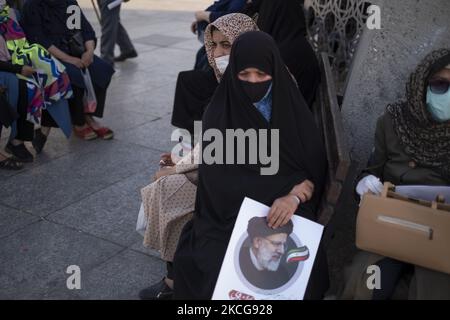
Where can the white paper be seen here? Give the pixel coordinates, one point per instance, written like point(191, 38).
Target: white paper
point(232, 284)
point(427, 193)
point(114, 4)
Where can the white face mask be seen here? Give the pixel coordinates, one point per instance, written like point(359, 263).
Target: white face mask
point(222, 63)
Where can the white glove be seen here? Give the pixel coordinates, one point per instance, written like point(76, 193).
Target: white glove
point(369, 183)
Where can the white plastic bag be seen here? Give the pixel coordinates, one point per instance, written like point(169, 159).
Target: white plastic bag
point(142, 221)
point(89, 99)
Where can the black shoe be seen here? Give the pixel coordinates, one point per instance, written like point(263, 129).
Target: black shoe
point(158, 291)
point(19, 152)
point(39, 141)
point(125, 56)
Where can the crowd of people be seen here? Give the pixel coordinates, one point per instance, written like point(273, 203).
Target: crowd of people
point(47, 71)
point(254, 70)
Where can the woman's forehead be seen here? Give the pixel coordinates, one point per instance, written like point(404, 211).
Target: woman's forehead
point(218, 36)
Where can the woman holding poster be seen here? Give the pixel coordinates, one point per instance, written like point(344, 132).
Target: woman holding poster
point(257, 92)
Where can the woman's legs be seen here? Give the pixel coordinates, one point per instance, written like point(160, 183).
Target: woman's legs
point(85, 125)
point(25, 129)
point(169, 277)
point(102, 131)
point(163, 290)
point(81, 127)
point(391, 271)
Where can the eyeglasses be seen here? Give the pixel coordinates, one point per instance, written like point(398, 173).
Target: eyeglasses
point(277, 244)
point(439, 86)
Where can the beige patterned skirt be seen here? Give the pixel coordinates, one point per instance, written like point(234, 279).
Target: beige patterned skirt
point(168, 205)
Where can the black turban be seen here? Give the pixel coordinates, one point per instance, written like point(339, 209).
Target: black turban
point(258, 227)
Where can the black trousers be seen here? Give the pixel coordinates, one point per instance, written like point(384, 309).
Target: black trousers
point(25, 129)
point(76, 107)
point(391, 272)
point(169, 267)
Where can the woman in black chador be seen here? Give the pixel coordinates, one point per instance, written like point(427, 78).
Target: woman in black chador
point(256, 92)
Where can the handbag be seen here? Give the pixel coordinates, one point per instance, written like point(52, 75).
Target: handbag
point(76, 45)
point(405, 229)
point(89, 98)
point(142, 221)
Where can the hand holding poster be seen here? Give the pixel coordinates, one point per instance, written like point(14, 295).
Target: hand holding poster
point(262, 263)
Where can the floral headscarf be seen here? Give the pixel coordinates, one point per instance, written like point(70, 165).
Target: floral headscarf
point(231, 25)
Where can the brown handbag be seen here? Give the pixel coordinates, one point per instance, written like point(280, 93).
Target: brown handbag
point(409, 230)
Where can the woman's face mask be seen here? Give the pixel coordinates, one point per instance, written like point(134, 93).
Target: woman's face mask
point(256, 91)
point(439, 104)
point(222, 63)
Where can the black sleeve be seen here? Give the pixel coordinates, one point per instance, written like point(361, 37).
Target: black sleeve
point(9, 67)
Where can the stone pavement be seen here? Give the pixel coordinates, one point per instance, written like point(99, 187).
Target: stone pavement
point(78, 203)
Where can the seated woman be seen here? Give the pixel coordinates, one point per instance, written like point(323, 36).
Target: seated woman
point(45, 22)
point(8, 114)
point(257, 92)
point(169, 202)
point(412, 147)
point(13, 113)
point(285, 22)
point(202, 18)
point(30, 91)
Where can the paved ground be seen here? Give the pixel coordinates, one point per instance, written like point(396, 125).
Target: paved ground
point(78, 203)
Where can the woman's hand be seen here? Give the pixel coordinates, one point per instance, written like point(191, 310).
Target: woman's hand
point(369, 184)
point(163, 172)
point(194, 27)
point(166, 160)
point(87, 58)
point(282, 211)
point(77, 62)
point(27, 71)
point(304, 191)
point(202, 16)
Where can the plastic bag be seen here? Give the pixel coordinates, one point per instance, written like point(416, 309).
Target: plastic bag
point(89, 99)
point(142, 221)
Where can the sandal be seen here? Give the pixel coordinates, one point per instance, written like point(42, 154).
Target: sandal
point(104, 133)
point(11, 164)
point(20, 152)
point(86, 134)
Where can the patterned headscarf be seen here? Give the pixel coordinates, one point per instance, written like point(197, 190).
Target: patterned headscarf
point(425, 140)
point(231, 25)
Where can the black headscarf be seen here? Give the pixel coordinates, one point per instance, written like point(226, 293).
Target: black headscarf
point(285, 22)
point(222, 188)
point(55, 10)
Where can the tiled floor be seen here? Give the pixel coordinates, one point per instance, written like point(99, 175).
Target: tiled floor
point(78, 203)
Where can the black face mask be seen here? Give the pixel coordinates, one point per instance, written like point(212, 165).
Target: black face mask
point(256, 91)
